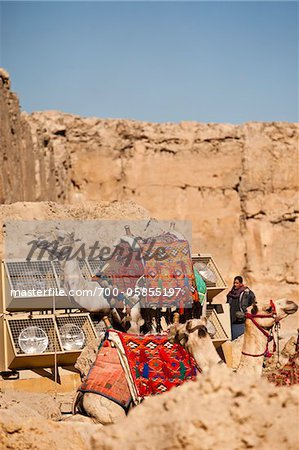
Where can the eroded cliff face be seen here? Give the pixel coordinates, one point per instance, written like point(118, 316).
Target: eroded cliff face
point(28, 173)
point(16, 159)
point(238, 184)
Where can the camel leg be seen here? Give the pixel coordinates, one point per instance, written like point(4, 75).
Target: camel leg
point(101, 409)
point(227, 351)
point(76, 402)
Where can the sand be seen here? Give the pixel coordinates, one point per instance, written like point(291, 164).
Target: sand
point(220, 410)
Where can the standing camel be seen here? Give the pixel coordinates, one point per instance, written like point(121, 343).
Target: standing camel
point(74, 281)
point(72, 278)
point(257, 338)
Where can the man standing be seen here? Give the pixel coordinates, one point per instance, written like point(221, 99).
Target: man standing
point(239, 298)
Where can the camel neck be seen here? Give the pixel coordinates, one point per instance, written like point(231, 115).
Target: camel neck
point(204, 354)
point(255, 343)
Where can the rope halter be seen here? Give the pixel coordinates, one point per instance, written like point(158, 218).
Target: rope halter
point(269, 335)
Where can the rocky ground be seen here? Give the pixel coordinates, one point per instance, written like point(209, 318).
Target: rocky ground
point(34, 421)
point(219, 410)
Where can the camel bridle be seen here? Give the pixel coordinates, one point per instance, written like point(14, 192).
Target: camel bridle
point(268, 334)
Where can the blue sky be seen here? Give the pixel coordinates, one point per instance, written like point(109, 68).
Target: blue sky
point(155, 61)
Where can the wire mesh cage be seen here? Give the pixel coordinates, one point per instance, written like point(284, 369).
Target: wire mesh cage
point(209, 271)
point(100, 327)
point(75, 331)
point(220, 334)
point(45, 276)
point(31, 330)
point(30, 276)
point(39, 284)
point(95, 265)
point(43, 340)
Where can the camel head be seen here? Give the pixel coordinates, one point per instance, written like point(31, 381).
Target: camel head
point(261, 317)
point(278, 309)
point(58, 244)
point(195, 336)
point(64, 237)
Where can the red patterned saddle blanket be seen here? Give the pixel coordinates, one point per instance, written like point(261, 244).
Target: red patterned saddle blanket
point(153, 364)
point(286, 375)
point(106, 377)
point(130, 367)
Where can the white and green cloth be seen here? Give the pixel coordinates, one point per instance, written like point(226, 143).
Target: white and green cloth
point(201, 286)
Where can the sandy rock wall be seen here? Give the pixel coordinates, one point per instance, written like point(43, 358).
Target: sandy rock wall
point(28, 171)
point(51, 211)
point(238, 184)
point(16, 159)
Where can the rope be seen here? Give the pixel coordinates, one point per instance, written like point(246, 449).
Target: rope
point(276, 329)
point(55, 353)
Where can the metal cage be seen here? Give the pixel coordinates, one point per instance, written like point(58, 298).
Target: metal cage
point(37, 285)
point(218, 284)
point(95, 265)
point(47, 324)
point(80, 321)
point(220, 334)
point(29, 275)
point(12, 357)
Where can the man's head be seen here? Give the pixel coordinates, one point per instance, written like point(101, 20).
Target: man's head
point(238, 281)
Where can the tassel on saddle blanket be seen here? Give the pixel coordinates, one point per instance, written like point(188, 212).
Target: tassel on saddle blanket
point(287, 375)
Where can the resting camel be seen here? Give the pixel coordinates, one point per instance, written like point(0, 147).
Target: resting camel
point(193, 335)
point(260, 320)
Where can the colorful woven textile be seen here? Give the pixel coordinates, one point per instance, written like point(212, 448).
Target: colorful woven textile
point(171, 273)
point(155, 364)
point(124, 267)
point(286, 375)
point(201, 286)
point(106, 377)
